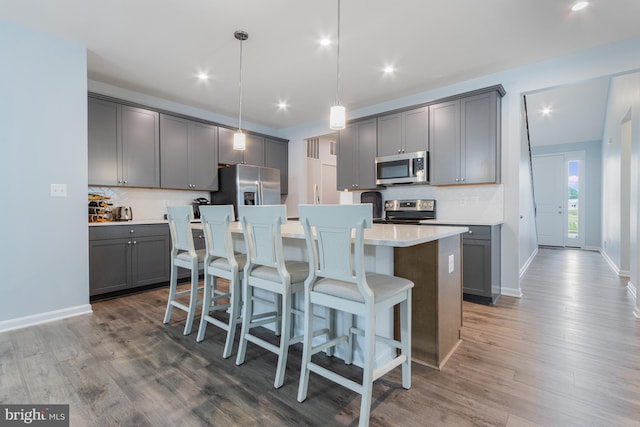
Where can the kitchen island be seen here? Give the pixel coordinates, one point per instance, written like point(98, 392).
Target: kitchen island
point(430, 257)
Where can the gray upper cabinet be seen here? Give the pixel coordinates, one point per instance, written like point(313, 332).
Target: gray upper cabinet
point(356, 156)
point(464, 138)
point(124, 145)
point(189, 154)
point(253, 153)
point(403, 132)
point(276, 155)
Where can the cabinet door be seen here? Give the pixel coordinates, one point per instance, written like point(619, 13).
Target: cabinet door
point(102, 142)
point(254, 152)
point(416, 130)
point(150, 260)
point(476, 268)
point(479, 154)
point(276, 155)
point(444, 142)
point(109, 265)
point(390, 134)
point(174, 166)
point(346, 157)
point(140, 147)
point(366, 155)
point(226, 154)
point(203, 165)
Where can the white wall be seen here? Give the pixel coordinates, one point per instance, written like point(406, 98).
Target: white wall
point(43, 129)
point(517, 232)
point(624, 103)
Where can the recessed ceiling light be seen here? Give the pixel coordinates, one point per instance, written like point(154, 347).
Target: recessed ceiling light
point(388, 69)
point(546, 111)
point(203, 76)
point(325, 42)
point(282, 105)
point(579, 6)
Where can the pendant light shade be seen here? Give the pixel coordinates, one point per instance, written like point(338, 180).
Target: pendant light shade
point(239, 138)
point(337, 117)
point(338, 114)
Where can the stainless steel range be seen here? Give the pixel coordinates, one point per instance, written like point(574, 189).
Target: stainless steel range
point(408, 211)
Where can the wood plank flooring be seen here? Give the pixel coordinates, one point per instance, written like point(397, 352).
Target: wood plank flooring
point(566, 354)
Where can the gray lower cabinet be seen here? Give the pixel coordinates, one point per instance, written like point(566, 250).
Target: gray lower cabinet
point(356, 156)
point(189, 154)
point(123, 257)
point(123, 145)
point(464, 140)
point(481, 263)
point(404, 132)
point(276, 155)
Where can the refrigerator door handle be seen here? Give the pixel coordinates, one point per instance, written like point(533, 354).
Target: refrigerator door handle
point(259, 194)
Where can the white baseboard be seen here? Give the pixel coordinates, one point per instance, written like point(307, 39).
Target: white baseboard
point(528, 262)
point(612, 264)
point(511, 292)
point(50, 316)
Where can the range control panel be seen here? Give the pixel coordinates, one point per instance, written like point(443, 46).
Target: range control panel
point(410, 205)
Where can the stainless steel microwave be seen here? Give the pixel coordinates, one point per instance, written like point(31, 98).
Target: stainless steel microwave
point(405, 168)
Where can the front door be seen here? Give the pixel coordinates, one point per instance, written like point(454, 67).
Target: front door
point(549, 188)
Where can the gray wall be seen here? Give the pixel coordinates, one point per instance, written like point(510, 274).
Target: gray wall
point(593, 185)
point(43, 129)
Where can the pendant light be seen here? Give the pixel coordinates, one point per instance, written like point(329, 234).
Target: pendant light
point(239, 138)
point(337, 114)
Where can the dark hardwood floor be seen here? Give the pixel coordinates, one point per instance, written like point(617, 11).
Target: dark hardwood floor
point(566, 354)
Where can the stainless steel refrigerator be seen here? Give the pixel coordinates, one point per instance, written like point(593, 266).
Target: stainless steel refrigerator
point(247, 185)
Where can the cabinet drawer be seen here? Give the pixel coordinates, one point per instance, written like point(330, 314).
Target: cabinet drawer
point(478, 232)
point(124, 231)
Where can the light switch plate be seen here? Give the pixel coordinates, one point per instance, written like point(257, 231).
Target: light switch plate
point(451, 263)
point(58, 190)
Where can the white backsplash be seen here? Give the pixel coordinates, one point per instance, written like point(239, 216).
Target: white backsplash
point(148, 203)
point(455, 203)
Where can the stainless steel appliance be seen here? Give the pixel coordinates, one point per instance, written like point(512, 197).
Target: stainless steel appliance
point(123, 213)
point(405, 168)
point(247, 185)
point(408, 211)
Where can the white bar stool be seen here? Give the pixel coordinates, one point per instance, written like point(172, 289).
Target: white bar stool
point(267, 269)
point(220, 262)
point(183, 254)
point(337, 280)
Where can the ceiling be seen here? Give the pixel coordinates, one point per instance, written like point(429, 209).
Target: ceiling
point(158, 46)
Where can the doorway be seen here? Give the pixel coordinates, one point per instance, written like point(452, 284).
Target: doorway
point(321, 170)
point(558, 180)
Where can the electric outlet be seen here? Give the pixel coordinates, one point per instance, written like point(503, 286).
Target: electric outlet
point(58, 190)
point(451, 263)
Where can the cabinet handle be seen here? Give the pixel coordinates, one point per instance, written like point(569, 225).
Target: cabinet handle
point(132, 231)
point(470, 232)
point(125, 181)
point(135, 243)
point(119, 181)
point(462, 179)
point(399, 151)
point(457, 179)
point(129, 242)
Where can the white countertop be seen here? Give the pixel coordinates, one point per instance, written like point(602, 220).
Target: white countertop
point(396, 235)
point(459, 222)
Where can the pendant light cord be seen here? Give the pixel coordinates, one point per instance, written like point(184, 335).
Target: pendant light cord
point(338, 61)
point(240, 91)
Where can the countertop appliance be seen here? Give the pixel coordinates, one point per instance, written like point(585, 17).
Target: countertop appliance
point(200, 201)
point(405, 168)
point(408, 211)
point(123, 213)
point(247, 185)
point(375, 198)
